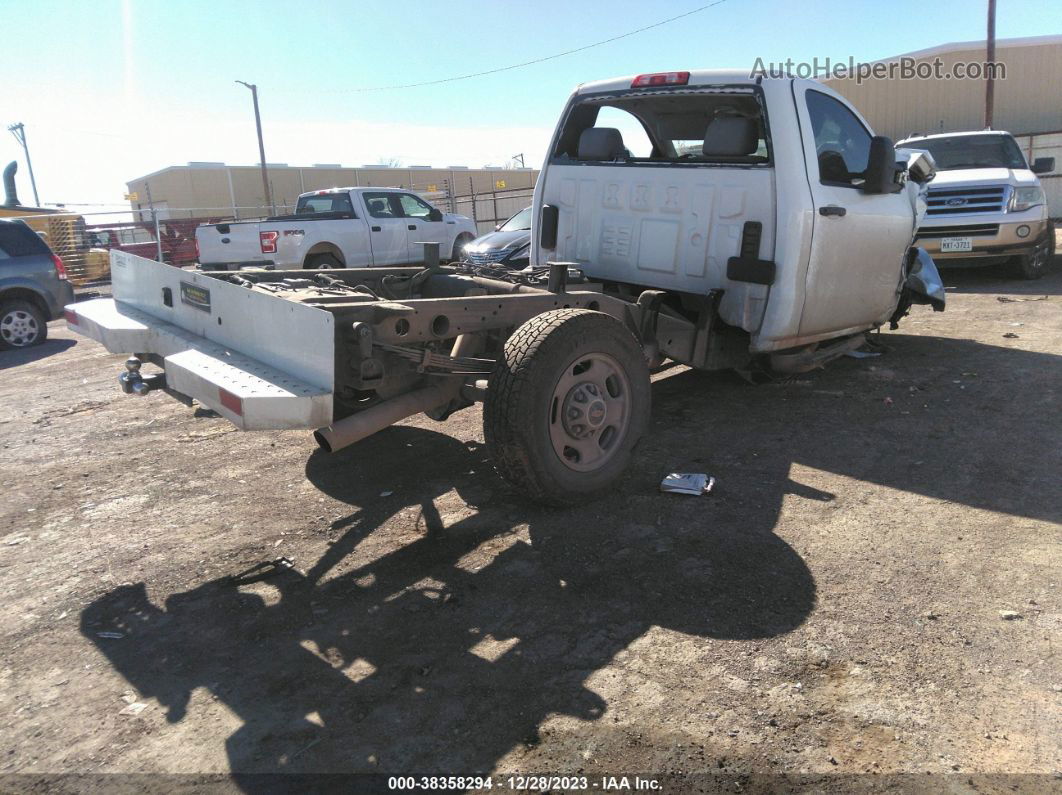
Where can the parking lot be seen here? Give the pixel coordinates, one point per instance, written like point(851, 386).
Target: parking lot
point(871, 587)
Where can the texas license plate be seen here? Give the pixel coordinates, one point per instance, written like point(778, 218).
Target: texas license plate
point(956, 244)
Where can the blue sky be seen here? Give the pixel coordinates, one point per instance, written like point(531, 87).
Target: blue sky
point(112, 89)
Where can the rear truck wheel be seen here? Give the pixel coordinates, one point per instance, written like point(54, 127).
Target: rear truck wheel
point(459, 246)
point(22, 324)
point(566, 404)
point(323, 262)
point(1033, 266)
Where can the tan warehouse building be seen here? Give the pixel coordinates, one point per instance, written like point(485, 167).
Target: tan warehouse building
point(217, 189)
point(1027, 101)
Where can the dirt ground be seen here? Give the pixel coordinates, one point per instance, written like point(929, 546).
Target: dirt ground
point(836, 606)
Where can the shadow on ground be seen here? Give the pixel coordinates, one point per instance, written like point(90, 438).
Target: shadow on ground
point(993, 279)
point(13, 357)
point(438, 657)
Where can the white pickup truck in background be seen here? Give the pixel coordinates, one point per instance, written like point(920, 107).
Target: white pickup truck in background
point(337, 228)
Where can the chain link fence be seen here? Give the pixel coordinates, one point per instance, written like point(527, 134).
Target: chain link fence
point(487, 208)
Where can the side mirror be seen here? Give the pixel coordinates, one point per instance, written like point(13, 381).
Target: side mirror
point(880, 176)
point(921, 168)
point(1043, 165)
point(497, 227)
point(435, 214)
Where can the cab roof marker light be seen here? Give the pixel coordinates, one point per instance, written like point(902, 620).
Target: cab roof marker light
point(661, 79)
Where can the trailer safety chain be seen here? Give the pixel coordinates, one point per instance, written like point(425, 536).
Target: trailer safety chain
point(426, 358)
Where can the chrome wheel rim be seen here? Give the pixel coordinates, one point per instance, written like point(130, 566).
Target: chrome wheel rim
point(589, 412)
point(19, 328)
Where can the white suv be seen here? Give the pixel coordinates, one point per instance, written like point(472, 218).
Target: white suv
point(985, 205)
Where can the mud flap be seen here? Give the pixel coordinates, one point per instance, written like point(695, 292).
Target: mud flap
point(922, 285)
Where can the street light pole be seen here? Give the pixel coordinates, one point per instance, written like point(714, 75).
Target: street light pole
point(261, 146)
point(19, 131)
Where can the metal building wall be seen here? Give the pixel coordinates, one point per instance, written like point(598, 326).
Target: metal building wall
point(237, 190)
point(1027, 101)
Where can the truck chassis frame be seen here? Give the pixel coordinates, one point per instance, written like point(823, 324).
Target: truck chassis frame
point(431, 339)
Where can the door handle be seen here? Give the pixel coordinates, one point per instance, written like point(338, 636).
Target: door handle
point(412, 227)
point(832, 209)
point(376, 229)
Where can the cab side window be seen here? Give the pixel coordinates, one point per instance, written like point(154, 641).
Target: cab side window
point(379, 205)
point(842, 143)
point(413, 207)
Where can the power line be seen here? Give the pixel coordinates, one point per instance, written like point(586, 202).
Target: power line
point(531, 62)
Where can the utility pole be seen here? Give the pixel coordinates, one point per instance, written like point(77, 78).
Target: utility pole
point(155, 222)
point(519, 159)
point(19, 131)
point(990, 56)
point(261, 146)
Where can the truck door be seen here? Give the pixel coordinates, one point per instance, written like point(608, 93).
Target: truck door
point(859, 239)
point(420, 228)
point(387, 229)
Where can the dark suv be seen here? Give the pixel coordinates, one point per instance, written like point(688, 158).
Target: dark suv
point(33, 286)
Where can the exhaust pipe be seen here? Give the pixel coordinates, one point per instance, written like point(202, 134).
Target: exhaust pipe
point(365, 423)
point(10, 195)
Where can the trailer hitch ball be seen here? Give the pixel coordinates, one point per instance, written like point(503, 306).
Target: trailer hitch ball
point(133, 383)
point(129, 380)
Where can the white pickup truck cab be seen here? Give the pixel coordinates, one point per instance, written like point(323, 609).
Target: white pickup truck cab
point(986, 205)
point(703, 217)
point(337, 228)
point(694, 181)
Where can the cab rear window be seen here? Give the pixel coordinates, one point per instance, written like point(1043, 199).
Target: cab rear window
point(18, 240)
point(665, 127)
point(326, 203)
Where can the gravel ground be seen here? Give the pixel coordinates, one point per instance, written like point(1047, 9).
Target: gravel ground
point(873, 587)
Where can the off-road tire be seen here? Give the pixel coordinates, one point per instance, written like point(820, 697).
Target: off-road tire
point(462, 240)
point(22, 312)
point(520, 403)
point(322, 261)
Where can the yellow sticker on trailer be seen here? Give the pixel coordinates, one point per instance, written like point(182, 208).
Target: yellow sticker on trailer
point(132, 197)
point(499, 183)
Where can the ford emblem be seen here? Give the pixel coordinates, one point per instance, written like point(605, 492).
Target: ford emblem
point(956, 202)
